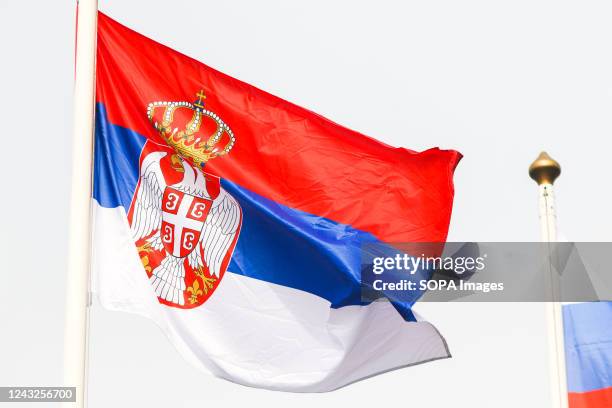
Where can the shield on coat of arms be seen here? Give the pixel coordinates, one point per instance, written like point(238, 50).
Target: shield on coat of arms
point(183, 218)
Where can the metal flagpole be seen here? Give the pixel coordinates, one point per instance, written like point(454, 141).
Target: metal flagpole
point(79, 249)
point(544, 170)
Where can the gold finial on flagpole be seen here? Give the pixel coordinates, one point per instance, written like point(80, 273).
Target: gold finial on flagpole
point(544, 170)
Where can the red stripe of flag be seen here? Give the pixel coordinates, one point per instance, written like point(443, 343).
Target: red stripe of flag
point(283, 152)
point(592, 399)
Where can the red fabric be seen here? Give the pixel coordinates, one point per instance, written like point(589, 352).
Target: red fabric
point(592, 399)
point(282, 152)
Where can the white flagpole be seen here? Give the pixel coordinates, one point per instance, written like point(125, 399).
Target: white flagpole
point(79, 250)
point(544, 170)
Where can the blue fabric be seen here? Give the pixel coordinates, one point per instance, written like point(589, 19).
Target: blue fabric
point(277, 244)
point(303, 251)
point(117, 153)
point(588, 345)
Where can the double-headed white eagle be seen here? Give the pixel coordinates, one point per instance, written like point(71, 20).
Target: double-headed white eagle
point(217, 234)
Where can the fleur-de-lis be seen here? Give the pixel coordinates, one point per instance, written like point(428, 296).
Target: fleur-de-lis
point(209, 283)
point(195, 291)
point(145, 264)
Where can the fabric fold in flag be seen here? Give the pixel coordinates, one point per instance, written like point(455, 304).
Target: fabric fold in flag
point(235, 221)
point(588, 354)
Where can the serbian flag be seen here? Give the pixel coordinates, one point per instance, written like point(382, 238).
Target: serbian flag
point(235, 221)
point(588, 354)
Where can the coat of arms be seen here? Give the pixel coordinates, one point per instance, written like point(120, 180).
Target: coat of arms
point(184, 224)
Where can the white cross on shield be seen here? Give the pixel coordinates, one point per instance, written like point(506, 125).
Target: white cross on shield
point(183, 218)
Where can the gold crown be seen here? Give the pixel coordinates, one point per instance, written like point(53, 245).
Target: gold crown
point(200, 130)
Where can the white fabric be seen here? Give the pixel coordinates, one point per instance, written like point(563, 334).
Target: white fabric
point(258, 333)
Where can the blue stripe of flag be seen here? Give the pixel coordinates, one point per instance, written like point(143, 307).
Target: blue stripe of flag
point(588, 345)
